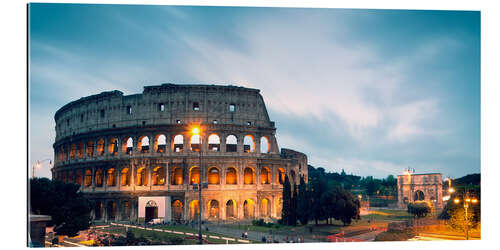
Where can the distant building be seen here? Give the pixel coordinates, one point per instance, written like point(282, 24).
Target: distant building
point(420, 187)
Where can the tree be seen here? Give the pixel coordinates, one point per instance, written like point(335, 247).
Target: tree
point(286, 197)
point(458, 221)
point(350, 207)
point(69, 210)
point(292, 219)
point(419, 209)
point(304, 204)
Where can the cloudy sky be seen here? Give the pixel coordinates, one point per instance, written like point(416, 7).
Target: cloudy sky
point(369, 91)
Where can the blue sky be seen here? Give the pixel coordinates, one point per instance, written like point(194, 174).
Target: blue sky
point(369, 91)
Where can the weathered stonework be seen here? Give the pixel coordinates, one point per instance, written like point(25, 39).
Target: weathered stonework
point(420, 187)
point(93, 149)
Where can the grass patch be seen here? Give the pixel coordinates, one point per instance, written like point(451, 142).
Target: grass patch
point(395, 236)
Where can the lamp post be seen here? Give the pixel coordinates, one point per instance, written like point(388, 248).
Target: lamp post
point(467, 200)
point(39, 165)
point(196, 131)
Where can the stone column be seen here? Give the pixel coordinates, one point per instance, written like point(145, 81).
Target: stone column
point(93, 177)
point(223, 142)
point(104, 178)
point(257, 143)
point(186, 142)
point(240, 143)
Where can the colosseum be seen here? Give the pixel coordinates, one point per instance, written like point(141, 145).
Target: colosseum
point(137, 158)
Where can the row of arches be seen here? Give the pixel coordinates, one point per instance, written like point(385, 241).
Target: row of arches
point(159, 145)
point(213, 209)
point(158, 176)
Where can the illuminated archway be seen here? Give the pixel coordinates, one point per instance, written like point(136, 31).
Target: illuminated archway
point(78, 179)
point(231, 143)
point(72, 151)
point(111, 177)
point(248, 209)
point(195, 143)
point(143, 144)
point(194, 209)
point(265, 147)
point(231, 176)
point(100, 147)
point(231, 209)
point(128, 145)
point(160, 143)
point(248, 144)
point(194, 175)
point(125, 177)
point(113, 146)
point(141, 179)
point(176, 176)
point(88, 178)
point(213, 175)
point(265, 176)
point(90, 148)
point(248, 176)
point(213, 209)
point(158, 176)
point(98, 178)
point(178, 143)
point(177, 210)
point(265, 208)
point(281, 176)
point(80, 150)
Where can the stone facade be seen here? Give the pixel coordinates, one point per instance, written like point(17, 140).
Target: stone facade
point(420, 187)
point(120, 148)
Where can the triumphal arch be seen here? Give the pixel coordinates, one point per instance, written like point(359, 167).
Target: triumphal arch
point(136, 157)
point(420, 187)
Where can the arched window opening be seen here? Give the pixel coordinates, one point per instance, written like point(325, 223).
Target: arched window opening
point(111, 211)
point(90, 148)
point(195, 143)
point(213, 175)
point(80, 150)
point(126, 210)
point(100, 147)
point(113, 146)
point(213, 142)
point(160, 143)
point(231, 143)
point(128, 145)
point(158, 176)
point(231, 176)
point(248, 144)
point(98, 178)
point(279, 205)
point(70, 177)
point(125, 177)
point(248, 209)
point(419, 196)
point(292, 175)
point(265, 176)
point(72, 151)
point(177, 210)
point(143, 144)
point(88, 178)
point(213, 209)
point(176, 176)
point(281, 176)
point(248, 176)
point(231, 209)
point(61, 155)
point(265, 208)
point(78, 179)
point(194, 176)
point(264, 145)
point(111, 178)
point(194, 209)
point(178, 143)
point(141, 177)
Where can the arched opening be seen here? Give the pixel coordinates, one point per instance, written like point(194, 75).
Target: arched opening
point(125, 177)
point(231, 143)
point(292, 175)
point(265, 176)
point(160, 143)
point(143, 144)
point(113, 146)
point(195, 143)
point(151, 211)
point(88, 178)
point(177, 210)
point(111, 210)
point(231, 176)
point(176, 176)
point(248, 144)
point(78, 179)
point(248, 209)
point(100, 147)
point(98, 178)
point(178, 143)
point(70, 177)
point(60, 154)
point(213, 209)
point(126, 210)
point(158, 176)
point(281, 176)
point(72, 151)
point(265, 208)
point(419, 196)
point(66, 153)
point(194, 210)
point(90, 148)
point(264, 145)
point(194, 175)
point(111, 177)
point(279, 205)
point(213, 143)
point(80, 150)
point(128, 145)
point(231, 209)
point(213, 175)
point(248, 176)
point(141, 179)
point(98, 210)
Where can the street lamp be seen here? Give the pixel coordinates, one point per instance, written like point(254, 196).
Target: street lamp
point(467, 200)
point(39, 165)
point(196, 131)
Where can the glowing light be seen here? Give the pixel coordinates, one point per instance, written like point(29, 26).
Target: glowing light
point(467, 200)
point(451, 190)
point(457, 201)
point(474, 200)
point(196, 131)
